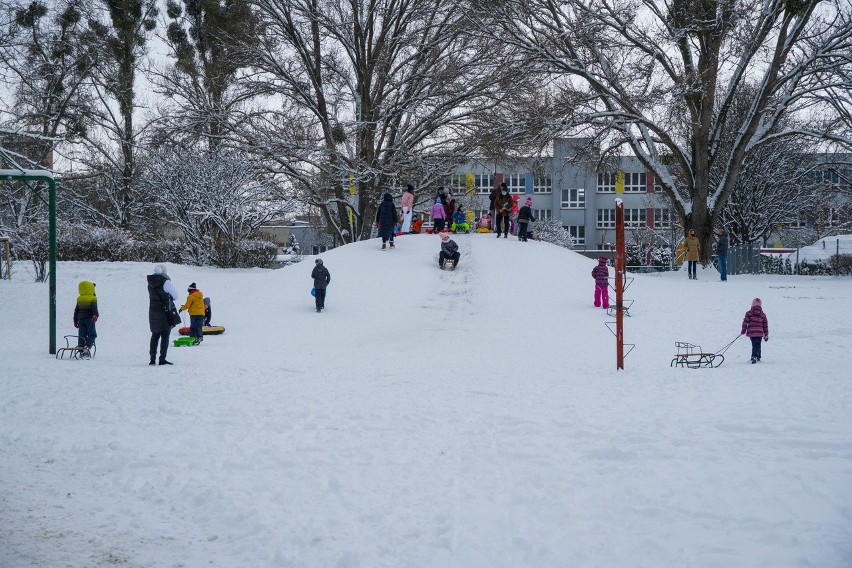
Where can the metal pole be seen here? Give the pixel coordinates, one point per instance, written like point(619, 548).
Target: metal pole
point(619, 283)
point(51, 184)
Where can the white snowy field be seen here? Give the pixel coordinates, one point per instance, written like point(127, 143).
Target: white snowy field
point(429, 419)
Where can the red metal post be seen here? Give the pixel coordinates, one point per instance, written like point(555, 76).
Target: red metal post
point(620, 259)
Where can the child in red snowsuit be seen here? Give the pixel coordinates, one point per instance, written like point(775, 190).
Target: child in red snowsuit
point(601, 275)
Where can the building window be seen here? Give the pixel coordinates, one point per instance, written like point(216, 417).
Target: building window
point(543, 184)
point(517, 183)
point(483, 183)
point(457, 183)
point(543, 214)
point(634, 182)
point(662, 218)
point(573, 198)
point(635, 217)
point(606, 219)
point(578, 233)
point(606, 182)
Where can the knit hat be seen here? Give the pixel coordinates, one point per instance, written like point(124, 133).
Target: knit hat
point(444, 236)
point(602, 260)
point(409, 187)
point(160, 269)
point(318, 261)
point(191, 287)
point(756, 302)
point(528, 201)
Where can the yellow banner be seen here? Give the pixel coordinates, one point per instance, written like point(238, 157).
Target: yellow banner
point(619, 182)
point(468, 183)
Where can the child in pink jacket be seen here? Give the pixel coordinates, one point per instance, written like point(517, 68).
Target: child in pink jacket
point(601, 275)
point(755, 327)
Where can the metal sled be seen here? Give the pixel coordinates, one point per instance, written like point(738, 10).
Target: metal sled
point(693, 357)
point(75, 352)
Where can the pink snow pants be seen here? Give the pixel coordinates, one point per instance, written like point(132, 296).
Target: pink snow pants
point(601, 295)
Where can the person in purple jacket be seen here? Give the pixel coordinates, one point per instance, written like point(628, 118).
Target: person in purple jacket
point(601, 275)
point(756, 327)
point(439, 216)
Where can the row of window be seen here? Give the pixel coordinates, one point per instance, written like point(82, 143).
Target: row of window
point(634, 218)
point(634, 182)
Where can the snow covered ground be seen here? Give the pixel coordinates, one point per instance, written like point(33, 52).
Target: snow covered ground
point(824, 249)
point(429, 419)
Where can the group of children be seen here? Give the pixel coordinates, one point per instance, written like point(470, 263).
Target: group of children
point(86, 316)
point(755, 324)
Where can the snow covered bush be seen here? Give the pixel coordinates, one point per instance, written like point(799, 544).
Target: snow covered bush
point(552, 231)
point(31, 242)
point(246, 253)
point(217, 199)
point(164, 250)
point(78, 241)
point(292, 246)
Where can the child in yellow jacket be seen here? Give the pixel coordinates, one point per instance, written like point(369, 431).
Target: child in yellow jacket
point(195, 306)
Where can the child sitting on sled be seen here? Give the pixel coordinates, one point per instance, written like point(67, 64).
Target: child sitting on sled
point(449, 251)
point(459, 221)
point(484, 224)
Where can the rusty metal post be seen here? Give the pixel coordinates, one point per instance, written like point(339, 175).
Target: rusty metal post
point(620, 262)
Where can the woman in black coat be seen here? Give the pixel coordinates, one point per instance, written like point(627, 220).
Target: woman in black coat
point(161, 292)
point(386, 218)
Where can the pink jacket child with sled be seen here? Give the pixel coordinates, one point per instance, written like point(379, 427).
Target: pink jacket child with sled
point(755, 327)
point(601, 275)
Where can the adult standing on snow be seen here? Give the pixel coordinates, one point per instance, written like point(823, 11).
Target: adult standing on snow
point(692, 248)
point(322, 278)
point(386, 218)
point(503, 206)
point(161, 293)
point(722, 252)
point(407, 208)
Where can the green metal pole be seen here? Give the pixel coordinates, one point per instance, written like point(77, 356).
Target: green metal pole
point(52, 231)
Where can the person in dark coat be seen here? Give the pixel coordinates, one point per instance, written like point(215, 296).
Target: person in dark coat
point(441, 196)
point(322, 278)
point(524, 217)
point(722, 252)
point(449, 251)
point(208, 312)
point(162, 294)
point(755, 327)
point(386, 218)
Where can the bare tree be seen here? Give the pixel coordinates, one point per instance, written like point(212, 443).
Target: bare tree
point(46, 63)
point(215, 198)
point(368, 96)
point(663, 77)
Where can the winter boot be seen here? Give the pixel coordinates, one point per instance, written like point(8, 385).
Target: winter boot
point(753, 360)
point(391, 244)
point(384, 246)
point(153, 360)
point(164, 362)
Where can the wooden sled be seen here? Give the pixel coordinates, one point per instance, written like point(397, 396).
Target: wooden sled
point(206, 330)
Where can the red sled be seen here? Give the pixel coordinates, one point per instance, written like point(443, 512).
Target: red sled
point(206, 330)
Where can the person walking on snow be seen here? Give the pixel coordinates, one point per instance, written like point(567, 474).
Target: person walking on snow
point(601, 275)
point(322, 278)
point(386, 218)
point(194, 305)
point(692, 248)
point(85, 317)
point(449, 251)
point(407, 208)
point(524, 217)
point(503, 206)
point(439, 216)
point(755, 327)
point(722, 252)
point(161, 295)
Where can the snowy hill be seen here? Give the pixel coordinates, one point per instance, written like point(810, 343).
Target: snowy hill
point(429, 419)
